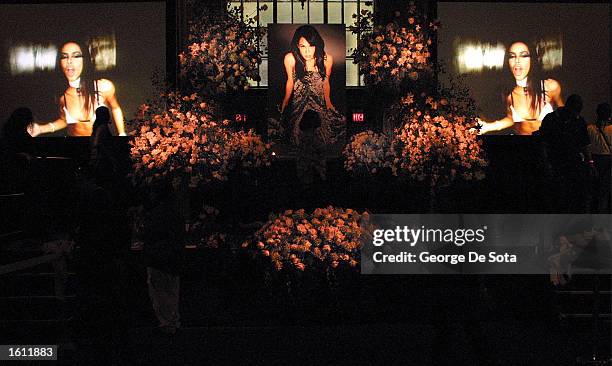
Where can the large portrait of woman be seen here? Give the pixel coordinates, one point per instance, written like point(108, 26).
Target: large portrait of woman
point(519, 73)
point(98, 55)
point(306, 72)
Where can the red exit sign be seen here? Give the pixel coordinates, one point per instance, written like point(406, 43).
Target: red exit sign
point(358, 117)
point(240, 117)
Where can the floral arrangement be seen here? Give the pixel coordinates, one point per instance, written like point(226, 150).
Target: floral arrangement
point(390, 54)
point(437, 143)
point(222, 54)
point(368, 153)
point(321, 240)
point(177, 136)
point(204, 230)
point(249, 151)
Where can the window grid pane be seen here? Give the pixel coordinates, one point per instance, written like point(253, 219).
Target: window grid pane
point(316, 12)
point(250, 9)
point(334, 12)
point(300, 15)
point(351, 42)
point(351, 74)
point(266, 16)
point(350, 8)
point(263, 72)
point(283, 12)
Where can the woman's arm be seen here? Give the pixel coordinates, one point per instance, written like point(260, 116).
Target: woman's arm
point(50, 127)
point(329, 63)
point(553, 90)
point(498, 125)
point(107, 89)
point(289, 63)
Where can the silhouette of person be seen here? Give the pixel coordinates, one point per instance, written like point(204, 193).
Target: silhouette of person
point(566, 143)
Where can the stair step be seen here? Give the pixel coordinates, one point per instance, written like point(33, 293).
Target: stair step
point(33, 284)
point(35, 308)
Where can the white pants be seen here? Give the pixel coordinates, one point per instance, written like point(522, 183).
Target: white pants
point(164, 294)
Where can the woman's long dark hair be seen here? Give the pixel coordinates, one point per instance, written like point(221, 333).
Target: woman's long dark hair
point(313, 37)
point(86, 88)
point(535, 78)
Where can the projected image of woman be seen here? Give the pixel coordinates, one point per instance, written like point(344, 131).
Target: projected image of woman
point(531, 97)
point(308, 69)
point(83, 95)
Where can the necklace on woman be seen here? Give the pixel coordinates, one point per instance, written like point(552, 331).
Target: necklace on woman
point(523, 84)
point(76, 84)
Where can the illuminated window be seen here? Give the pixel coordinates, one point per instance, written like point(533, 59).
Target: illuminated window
point(103, 51)
point(313, 12)
point(30, 58)
point(26, 59)
point(476, 57)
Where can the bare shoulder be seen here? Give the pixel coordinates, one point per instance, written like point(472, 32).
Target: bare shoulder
point(552, 85)
point(106, 86)
point(289, 59)
point(328, 59)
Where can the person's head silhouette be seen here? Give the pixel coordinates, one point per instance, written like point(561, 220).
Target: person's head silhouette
point(603, 113)
point(103, 115)
point(310, 120)
point(574, 104)
point(18, 123)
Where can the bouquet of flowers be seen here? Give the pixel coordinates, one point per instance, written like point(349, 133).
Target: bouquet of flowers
point(436, 143)
point(249, 151)
point(204, 231)
point(177, 136)
point(390, 54)
point(222, 55)
point(319, 240)
point(368, 153)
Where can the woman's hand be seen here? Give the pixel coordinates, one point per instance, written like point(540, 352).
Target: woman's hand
point(34, 129)
point(483, 126)
point(495, 125)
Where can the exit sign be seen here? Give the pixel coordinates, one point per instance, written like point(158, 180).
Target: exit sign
point(358, 117)
point(240, 118)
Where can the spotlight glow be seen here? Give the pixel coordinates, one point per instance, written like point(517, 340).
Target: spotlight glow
point(103, 51)
point(25, 59)
point(475, 57)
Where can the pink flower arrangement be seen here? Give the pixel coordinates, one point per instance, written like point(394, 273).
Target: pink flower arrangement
point(177, 136)
point(389, 54)
point(323, 239)
point(204, 230)
point(368, 153)
point(222, 55)
point(436, 144)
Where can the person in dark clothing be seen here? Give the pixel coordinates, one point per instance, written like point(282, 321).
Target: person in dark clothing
point(566, 141)
point(15, 132)
point(100, 269)
point(19, 173)
point(103, 163)
point(600, 133)
point(311, 151)
point(310, 161)
point(162, 233)
point(17, 151)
